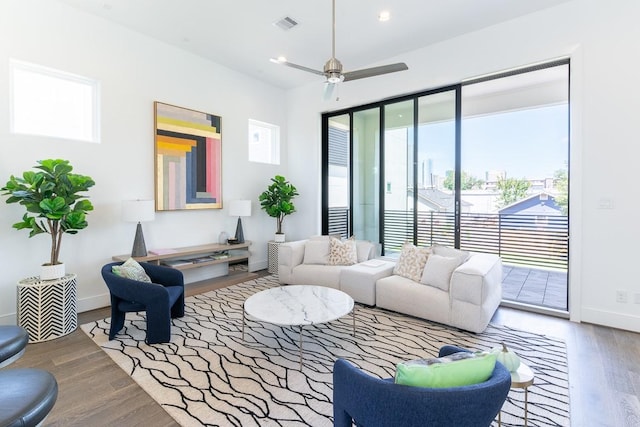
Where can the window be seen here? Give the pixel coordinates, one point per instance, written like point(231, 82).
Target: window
point(53, 103)
point(264, 142)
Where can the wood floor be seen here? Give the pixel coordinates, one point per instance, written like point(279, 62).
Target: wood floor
point(604, 374)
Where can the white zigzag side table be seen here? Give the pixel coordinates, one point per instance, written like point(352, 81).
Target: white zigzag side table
point(47, 308)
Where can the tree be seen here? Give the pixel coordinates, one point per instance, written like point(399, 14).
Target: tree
point(467, 182)
point(561, 183)
point(511, 190)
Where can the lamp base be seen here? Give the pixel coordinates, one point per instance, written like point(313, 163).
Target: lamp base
point(139, 248)
point(239, 232)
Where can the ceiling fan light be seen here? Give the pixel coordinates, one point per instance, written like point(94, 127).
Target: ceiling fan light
point(335, 78)
point(384, 16)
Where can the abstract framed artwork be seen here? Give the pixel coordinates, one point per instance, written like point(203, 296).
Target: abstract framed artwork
point(188, 151)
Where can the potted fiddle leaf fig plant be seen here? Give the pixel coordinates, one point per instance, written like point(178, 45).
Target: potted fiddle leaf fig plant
point(51, 196)
point(276, 200)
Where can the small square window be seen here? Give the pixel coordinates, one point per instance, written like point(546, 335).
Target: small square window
point(264, 142)
point(53, 103)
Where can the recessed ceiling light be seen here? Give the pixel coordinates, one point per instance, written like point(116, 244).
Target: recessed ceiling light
point(278, 60)
point(384, 16)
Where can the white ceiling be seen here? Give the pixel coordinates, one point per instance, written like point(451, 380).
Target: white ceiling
point(240, 34)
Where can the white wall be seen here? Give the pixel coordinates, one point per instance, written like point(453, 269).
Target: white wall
point(601, 40)
point(134, 71)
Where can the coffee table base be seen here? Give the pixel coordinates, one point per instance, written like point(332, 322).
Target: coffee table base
point(244, 321)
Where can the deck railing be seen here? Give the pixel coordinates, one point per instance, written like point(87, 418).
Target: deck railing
point(527, 240)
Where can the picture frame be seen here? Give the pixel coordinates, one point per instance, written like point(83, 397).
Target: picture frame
point(188, 158)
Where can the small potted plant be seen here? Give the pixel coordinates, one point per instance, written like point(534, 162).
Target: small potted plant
point(276, 200)
point(51, 198)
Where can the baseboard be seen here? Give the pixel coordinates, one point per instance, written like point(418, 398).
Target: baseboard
point(84, 304)
point(8, 319)
point(613, 320)
point(93, 303)
point(258, 265)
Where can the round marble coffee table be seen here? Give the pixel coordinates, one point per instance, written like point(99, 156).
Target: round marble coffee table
point(298, 305)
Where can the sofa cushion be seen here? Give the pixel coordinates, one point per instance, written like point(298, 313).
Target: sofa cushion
point(366, 250)
point(450, 252)
point(316, 251)
point(131, 269)
point(437, 271)
point(320, 275)
point(411, 262)
point(342, 252)
point(454, 370)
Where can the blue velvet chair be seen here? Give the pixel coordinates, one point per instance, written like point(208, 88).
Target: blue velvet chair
point(369, 401)
point(162, 300)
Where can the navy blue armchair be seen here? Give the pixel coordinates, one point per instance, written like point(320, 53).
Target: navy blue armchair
point(369, 401)
point(162, 300)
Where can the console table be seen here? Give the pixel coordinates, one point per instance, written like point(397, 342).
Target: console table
point(194, 256)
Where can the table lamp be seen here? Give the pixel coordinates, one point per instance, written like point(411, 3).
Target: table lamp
point(138, 211)
point(239, 208)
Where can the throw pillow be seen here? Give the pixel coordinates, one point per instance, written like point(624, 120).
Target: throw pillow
point(343, 252)
point(366, 250)
point(316, 252)
point(130, 269)
point(451, 252)
point(455, 370)
point(411, 262)
point(438, 270)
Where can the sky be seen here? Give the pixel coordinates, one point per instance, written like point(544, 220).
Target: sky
point(530, 143)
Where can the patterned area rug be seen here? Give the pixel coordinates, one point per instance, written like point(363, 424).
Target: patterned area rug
point(209, 375)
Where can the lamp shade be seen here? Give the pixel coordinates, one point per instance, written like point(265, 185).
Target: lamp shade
point(138, 210)
point(240, 208)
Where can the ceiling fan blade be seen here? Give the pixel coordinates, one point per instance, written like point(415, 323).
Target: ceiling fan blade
point(374, 71)
point(296, 66)
point(327, 92)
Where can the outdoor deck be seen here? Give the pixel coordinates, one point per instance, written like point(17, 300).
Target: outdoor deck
point(546, 288)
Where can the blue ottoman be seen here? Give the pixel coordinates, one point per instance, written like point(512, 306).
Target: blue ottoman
point(26, 396)
point(13, 340)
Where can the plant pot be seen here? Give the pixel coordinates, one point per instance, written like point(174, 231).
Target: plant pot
point(279, 238)
point(52, 272)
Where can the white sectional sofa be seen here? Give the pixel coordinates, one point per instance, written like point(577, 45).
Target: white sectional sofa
point(305, 262)
point(467, 301)
point(455, 288)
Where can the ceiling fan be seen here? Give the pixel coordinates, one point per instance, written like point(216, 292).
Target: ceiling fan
point(333, 67)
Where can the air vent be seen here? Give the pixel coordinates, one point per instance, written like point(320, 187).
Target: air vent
point(285, 23)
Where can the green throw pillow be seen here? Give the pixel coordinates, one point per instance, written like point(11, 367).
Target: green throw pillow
point(130, 269)
point(455, 370)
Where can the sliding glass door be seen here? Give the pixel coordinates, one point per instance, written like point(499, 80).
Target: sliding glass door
point(366, 174)
point(515, 148)
point(482, 166)
point(398, 173)
point(435, 195)
point(337, 176)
